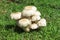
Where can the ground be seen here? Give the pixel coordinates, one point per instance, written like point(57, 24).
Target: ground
point(50, 10)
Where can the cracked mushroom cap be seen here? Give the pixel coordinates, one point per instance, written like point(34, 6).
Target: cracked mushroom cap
point(34, 26)
point(24, 22)
point(16, 15)
point(30, 8)
point(42, 22)
point(35, 18)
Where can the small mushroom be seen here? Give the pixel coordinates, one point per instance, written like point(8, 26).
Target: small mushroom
point(27, 13)
point(37, 13)
point(42, 22)
point(30, 8)
point(34, 26)
point(16, 15)
point(24, 22)
point(27, 29)
point(35, 18)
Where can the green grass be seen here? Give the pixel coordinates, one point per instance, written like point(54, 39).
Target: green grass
point(50, 10)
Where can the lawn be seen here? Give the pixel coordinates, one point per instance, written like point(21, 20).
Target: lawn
point(50, 10)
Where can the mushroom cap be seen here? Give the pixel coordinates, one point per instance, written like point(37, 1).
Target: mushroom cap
point(35, 18)
point(30, 8)
point(16, 15)
point(33, 26)
point(24, 22)
point(27, 13)
point(37, 13)
point(42, 22)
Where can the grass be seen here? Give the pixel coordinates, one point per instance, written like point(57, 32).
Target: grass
point(50, 10)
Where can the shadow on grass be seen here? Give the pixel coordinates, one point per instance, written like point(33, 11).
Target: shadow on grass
point(19, 30)
point(14, 28)
point(36, 30)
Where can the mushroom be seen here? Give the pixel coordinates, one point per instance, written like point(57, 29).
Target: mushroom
point(24, 22)
point(29, 18)
point(27, 29)
point(16, 15)
point(34, 26)
point(42, 22)
point(35, 18)
point(30, 8)
point(37, 13)
point(29, 11)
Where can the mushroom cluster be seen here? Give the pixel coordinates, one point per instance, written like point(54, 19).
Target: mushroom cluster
point(29, 18)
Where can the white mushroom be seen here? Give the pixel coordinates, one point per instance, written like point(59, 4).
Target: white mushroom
point(29, 18)
point(34, 26)
point(35, 18)
point(27, 13)
point(30, 8)
point(16, 15)
point(24, 22)
point(42, 22)
point(37, 13)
